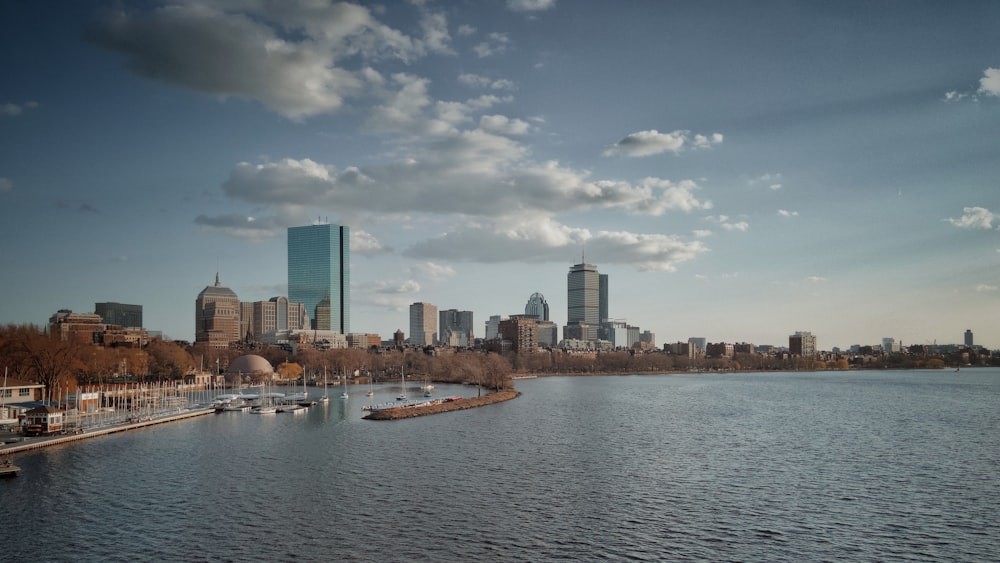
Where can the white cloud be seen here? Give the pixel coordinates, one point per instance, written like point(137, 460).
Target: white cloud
point(776, 187)
point(6, 184)
point(701, 233)
point(989, 84)
point(786, 213)
point(479, 81)
point(533, 238)
point(365, 244)
point(954, 96)
point(815, 279)
point(503, 125)
point(530, 5)
point(495, 44)
point(240, 226)
point(652, 142)
point(466, 30)
point(433, 271)
point(287, 55)
point(12, 109)
point(984, 288)
point(974, 218)
point(741, 226)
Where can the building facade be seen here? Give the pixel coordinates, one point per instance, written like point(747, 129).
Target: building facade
point(802, 344)
point(456, 328)
point(493, 327)
point(537, 307)
point(423, 324)
point(217, 316)
point(258, 318)
point(319, 274)
point(121, 314)
point(521, 331)
point(583, 300)
point(969, 342)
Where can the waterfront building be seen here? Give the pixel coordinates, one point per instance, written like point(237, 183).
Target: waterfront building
point(521, 331)
point(648, 338)
point(423, 321)
point(399, 338)
point(456, 328)
point(121, 314)
point(363, 340)
point(968, 338)
point(537, 306)
point(890, 346)
point(83, 327)
point(802, 344)
point(217, 316)
point(319, 274)
point(698, 343)
point(720, 350)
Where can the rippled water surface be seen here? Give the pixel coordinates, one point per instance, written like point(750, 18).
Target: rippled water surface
point(786, 466)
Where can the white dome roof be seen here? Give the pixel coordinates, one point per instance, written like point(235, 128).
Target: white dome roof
point(250, 364)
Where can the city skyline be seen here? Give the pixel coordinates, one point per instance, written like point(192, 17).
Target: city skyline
point(741, 171)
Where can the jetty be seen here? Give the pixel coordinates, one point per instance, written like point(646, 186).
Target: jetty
point(423, 408)
point(25, 444)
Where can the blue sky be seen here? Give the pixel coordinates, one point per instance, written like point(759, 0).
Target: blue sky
point(741, 170)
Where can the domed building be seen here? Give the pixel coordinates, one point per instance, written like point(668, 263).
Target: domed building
point(251, 365)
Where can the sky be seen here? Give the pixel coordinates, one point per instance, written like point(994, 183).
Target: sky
point(740, 170)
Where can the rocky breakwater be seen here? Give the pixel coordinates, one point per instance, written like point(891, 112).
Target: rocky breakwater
point(410, 411)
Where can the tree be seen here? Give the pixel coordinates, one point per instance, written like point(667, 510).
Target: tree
point(168, 360)
point(289, 370)
point(48, 358)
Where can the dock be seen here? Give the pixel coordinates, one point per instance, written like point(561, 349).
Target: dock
point(26, 444)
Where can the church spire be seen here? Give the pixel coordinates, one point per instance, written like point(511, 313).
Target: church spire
point(217, 283)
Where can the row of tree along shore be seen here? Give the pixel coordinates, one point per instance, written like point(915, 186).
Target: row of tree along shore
point(30, 353)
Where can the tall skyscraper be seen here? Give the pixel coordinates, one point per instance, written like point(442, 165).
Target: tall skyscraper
point(968, 338)
point(537, 307)
point(583, 300)
point(423, 324)
point(319, 274)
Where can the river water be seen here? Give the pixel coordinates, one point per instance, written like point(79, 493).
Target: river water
point(766, 467)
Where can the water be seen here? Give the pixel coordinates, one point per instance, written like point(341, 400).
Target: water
point(771, 467)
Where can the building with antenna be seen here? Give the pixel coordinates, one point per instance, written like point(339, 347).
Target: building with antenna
point(217, 316)
point(583, 300)
point(319, 274)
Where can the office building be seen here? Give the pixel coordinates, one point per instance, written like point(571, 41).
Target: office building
point(537, 307)
point(217, 316)
point(521, 331)
point(278, 314)
point(455, 328)
point(968, 338)
point(583, 286)
point(319, 274)
point(423, 324)
point(121, 314)
point(493, 327)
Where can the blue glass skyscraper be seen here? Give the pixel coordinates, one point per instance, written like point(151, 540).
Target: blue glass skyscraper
point(319, 270)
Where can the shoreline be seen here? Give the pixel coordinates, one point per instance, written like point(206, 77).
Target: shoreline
point(401, 412)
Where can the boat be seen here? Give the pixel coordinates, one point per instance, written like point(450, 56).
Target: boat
point(371, 386)
point(343, 394)
point(8, 469)
point(326, 396)
point(402, 380)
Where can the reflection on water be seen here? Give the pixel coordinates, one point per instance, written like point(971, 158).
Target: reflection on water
point(790, 466)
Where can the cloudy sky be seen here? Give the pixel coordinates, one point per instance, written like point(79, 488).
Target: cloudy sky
point(741, 170)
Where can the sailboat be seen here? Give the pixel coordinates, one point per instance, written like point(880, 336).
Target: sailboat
point(371, 386)
point(326, 396)
point(344, 395)
point(402, 380)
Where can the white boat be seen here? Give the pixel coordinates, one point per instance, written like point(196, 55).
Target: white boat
point(402, 380)
point(326, 396)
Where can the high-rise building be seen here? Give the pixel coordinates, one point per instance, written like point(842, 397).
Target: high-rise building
point(456, 328)
point(319, 274)
point(968, 338)
point(259, 318)
point(493, 327)
point(583, 286)
point(802, 344)
point(121, 314)
point(537, 307)
point(521, 331)
point(217, 316)
point(423, 324)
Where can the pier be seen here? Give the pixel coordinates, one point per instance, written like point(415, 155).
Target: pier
point(26, 444)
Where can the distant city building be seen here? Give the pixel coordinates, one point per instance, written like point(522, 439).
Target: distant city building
point(363, 340)
point(602, 304)
point(493, 327)
point(521, 331)
point(890, 345)
point(537, 306)
point(802, 344)
point(548, 334)
point(456, 329)
point(720, 350)
point(217, 316)
point(398, 338)
point(82, 327)
point(698, 342)
point(648, 337)
point(258, 318)
point(969, 343)
point(423, 324)
point(121, 314)
point(319, 274)
point(583, 300)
